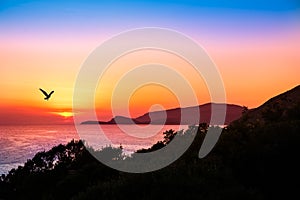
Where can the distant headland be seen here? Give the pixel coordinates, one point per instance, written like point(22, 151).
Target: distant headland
point(173, 116)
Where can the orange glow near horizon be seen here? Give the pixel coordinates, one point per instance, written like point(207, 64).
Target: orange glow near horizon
point(146, 99)
point(116, 87)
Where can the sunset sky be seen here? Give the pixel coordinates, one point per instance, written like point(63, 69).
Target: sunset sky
point(255, 45)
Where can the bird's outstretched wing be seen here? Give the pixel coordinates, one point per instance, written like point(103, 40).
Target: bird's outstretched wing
point(44, 92)
point(51, 93)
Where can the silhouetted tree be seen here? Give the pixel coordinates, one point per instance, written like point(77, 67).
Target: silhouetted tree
point(168, 136)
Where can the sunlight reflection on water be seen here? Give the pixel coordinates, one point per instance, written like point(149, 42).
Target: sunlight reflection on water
point(20, 143)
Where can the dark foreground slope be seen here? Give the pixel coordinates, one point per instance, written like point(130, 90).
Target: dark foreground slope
point(256, 161)
point(283, 107)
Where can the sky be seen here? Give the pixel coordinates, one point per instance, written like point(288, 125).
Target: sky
point(254, 44)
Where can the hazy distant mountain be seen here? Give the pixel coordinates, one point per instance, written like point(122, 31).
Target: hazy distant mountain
point(285, 106)
point(173, 116)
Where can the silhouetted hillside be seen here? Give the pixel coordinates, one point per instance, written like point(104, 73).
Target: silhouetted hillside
point(173, 116)
point(285, 106)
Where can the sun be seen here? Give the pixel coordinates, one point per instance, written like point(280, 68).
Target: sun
point(65, 114)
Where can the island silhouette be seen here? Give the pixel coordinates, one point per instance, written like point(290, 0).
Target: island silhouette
point(173, 116)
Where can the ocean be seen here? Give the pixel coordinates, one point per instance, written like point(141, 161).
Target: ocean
point(20, 143)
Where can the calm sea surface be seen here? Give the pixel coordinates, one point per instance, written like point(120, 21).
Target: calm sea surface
point(20, 143)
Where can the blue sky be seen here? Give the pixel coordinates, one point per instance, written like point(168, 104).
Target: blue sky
point(192, 17)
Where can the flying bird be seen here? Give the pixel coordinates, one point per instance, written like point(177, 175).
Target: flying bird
point(46, 94)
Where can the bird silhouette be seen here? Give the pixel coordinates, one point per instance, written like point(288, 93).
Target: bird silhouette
point(46, 94)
